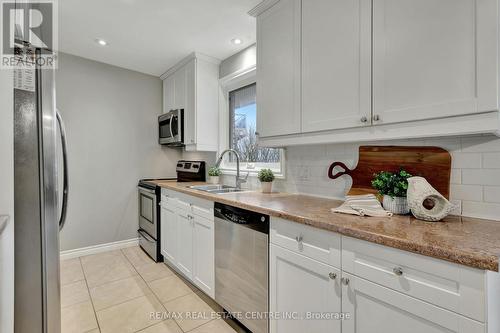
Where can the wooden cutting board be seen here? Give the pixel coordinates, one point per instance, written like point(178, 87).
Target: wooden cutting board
point(432, 163)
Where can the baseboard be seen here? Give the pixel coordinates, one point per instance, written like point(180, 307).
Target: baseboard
point(85, 251)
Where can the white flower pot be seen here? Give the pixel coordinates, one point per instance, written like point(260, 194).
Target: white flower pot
point(396, 205)
point(213, 179)
point(267, 187)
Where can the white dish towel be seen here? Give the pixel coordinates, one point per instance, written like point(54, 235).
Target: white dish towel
point(362, 205)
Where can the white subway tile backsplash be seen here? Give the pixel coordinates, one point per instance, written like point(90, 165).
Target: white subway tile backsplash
point(475, 174)
point(492, 194)
point(466, 160)
point(483, 210)
point(466, 192)
point(456, 176)
point(481, 176)
point(491, 160)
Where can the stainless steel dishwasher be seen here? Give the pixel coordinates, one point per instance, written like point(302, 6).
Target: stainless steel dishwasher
point(241, 265)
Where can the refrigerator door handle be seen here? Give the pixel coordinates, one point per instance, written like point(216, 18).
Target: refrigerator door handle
point(64, 208)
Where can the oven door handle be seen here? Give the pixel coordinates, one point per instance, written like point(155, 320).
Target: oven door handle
point(146, 236)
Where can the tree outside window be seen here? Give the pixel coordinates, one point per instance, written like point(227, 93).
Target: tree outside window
point(242, 137)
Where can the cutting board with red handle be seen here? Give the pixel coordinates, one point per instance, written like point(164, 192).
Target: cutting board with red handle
point(432, 163)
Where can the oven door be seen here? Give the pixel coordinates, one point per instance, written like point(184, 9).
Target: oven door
point(170, 127)
point(147, 211)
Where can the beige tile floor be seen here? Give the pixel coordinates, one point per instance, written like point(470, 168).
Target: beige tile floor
point(125, 291)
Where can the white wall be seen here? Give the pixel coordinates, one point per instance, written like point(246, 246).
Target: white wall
point(7, 201)
point(111, 123)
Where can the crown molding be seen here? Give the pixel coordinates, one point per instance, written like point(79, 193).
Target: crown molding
point(186, 60)
point(262, 7)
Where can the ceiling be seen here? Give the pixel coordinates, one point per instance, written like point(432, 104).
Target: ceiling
point(150, 36)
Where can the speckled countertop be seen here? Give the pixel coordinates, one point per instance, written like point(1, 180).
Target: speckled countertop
point(467, 241)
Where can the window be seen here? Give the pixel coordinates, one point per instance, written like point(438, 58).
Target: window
point(242, 137)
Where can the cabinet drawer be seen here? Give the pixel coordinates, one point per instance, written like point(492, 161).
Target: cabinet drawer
point(321, 245)
point(374, 308)
point(448, 285)
point(167, 201)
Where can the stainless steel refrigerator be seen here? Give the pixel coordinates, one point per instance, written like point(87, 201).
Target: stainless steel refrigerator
point(38, 193)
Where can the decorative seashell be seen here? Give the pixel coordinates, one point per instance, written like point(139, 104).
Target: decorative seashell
point(420, 191)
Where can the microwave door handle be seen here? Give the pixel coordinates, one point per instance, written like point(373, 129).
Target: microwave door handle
point(64, 208)
point(170, 125)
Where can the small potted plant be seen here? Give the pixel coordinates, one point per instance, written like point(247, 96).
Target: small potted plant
point(266, 177)
point(213, 175)
point(393, 186)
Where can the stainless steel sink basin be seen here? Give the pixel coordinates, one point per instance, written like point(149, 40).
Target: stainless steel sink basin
point(216, 189)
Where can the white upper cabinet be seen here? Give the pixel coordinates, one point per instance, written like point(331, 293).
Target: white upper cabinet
point(193, 85)
point(367, 70)
point(168, 94)
point(278, 69)
point(433, 58)
point(336, 60)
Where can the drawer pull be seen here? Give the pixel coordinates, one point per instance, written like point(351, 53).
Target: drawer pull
point(332, 276)
point(398, 271)
point(345, 281)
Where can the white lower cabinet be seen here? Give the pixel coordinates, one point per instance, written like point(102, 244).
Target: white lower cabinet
point(187, 238)
point(301, 291)
point(168, 218)
point(203, 256)
point(373, 308)
point(185, 243)
point(373, 288)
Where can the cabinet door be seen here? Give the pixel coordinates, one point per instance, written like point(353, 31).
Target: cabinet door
point(203, 255)
point(169, 232)
point(433, 59)
point(336, 61)
point(185, 243)
point(190, 103)
point(278, 69)
point(168, 94)
point(373, 308)
point(180, 88)
point(301, 286)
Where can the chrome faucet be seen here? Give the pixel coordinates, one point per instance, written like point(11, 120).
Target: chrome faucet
point(239, 180)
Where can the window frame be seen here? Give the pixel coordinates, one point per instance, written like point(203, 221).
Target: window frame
point(229, 84)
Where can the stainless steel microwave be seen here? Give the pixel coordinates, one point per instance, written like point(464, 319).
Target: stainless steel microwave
point(171, 128)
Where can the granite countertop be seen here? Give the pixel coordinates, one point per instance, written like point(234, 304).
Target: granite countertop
point(467, 241)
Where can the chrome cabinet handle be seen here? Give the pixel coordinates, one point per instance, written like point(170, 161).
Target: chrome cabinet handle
point(332, 275)
point(376, 117)
point(345, 281)
point(64, 208)
point(398, 271)
point(298, 239)
point(364, 119)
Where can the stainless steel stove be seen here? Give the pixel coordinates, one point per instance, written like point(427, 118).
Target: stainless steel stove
point(149, 209)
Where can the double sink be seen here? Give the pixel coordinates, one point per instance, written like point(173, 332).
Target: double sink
point(216, 189)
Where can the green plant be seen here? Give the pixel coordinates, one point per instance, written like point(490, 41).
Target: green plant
point(391, 184)
point(266, 175)
point(214, 172)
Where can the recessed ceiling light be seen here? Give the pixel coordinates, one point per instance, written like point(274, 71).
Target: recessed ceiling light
point(236, 41)
point(101, 42)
